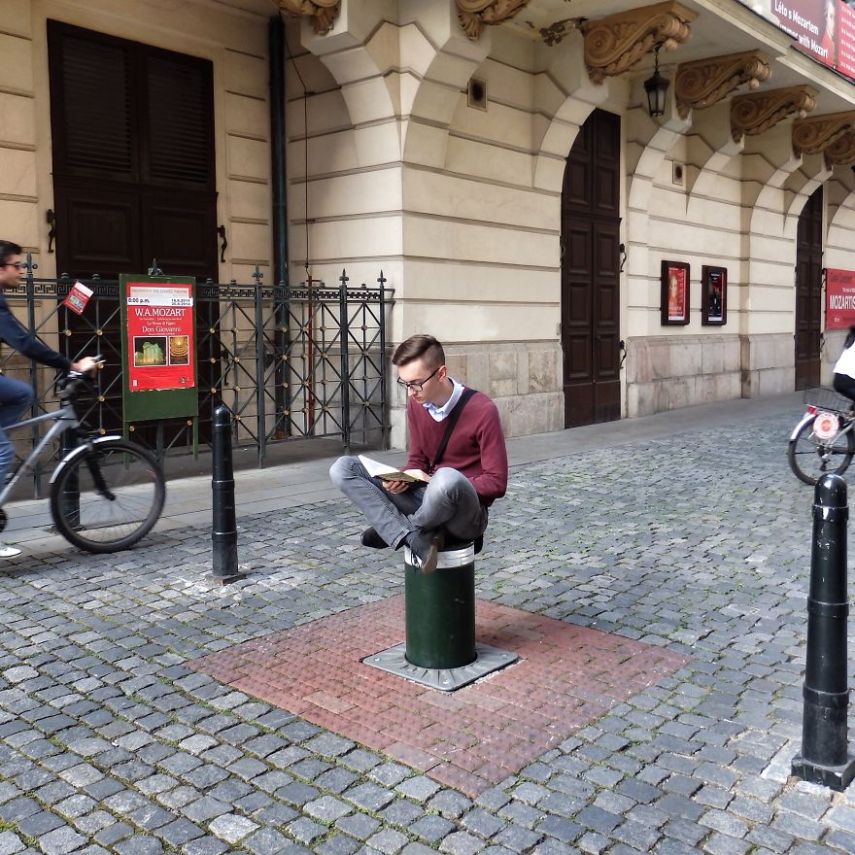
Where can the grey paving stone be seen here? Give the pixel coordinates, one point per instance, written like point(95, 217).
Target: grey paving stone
point(232, 827)
point(360, 825)
point(419, 788)
point(265, 841)
point(337, 844)
point(369, 796)
point(204, 846)
point(139, 845)
point(179, 832)
point(10, 843)
point(305, 831)
point(516, 838)
point(61, 841)
point(461, 843)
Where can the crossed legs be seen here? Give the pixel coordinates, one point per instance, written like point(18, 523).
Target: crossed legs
point(447, 502)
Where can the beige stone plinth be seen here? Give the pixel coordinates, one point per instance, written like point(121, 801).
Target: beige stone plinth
point(667, 372)
point(768, 364)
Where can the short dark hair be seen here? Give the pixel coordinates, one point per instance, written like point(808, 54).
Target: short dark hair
point(8, 248)
point(424, 347)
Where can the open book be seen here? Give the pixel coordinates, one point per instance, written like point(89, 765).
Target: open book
point(376, 469)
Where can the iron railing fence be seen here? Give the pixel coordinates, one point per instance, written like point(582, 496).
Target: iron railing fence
point(292, 362)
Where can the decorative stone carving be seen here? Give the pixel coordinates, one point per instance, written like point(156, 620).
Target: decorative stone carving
point(616, 43)
point(474, 14)
point(757, 112)
point(708, 81)
point(322, 12)
point(816, 134)
point(557, 31)
point(842, 151)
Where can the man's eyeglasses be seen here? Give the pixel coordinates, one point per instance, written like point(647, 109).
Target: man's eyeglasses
point(18, 264)
point(416, 385)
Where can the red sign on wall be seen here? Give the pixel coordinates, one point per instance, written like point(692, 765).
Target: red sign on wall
point(823, 29)
point(839, 299)
point(160, 336)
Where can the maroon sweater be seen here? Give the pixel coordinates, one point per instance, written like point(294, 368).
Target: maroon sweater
point(476, 447)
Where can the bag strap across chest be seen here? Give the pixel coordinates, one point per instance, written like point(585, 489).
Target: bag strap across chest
point(450, 422)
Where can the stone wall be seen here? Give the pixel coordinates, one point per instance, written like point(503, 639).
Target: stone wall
point(667, 372)
point(767, 364)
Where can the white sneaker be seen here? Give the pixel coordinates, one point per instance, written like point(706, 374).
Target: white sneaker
point(7, 551)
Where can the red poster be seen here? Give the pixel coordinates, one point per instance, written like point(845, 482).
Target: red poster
point(677, 291)
point(846, 40)
point(160, 336)
point(823, 29)
point(839, 299)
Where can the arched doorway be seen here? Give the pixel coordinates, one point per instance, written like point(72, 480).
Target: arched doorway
point(590, 275)
point(809, 293)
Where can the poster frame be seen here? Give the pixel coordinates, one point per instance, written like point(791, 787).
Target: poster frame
point(709, 272)
point(668, 318)
point(155, 404)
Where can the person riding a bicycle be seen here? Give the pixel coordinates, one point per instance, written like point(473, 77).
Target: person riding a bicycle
point(844, 368)
point(16, 396)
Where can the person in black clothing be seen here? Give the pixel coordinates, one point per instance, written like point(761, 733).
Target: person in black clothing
point(16, 396)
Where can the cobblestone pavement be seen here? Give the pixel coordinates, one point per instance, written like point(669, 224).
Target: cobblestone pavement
point(110, 742)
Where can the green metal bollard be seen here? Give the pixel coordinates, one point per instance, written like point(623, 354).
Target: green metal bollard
point(440, 609)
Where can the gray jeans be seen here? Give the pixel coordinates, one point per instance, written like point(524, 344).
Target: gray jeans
point(447, 501)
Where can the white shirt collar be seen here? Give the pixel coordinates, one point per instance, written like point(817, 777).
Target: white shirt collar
point(440, 413)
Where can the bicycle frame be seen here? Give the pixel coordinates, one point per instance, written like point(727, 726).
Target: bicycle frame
point(64, 419)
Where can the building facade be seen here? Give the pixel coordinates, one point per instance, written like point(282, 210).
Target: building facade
point(582, 259)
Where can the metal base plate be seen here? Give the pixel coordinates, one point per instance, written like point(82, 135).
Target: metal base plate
point(835, 777)
point(487, 659)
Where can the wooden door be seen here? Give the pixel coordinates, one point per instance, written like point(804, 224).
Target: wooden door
point(133, 172)
point(809, 293)
point(590, 275)
point(133, 156)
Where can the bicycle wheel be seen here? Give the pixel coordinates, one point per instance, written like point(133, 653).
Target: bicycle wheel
point(107, 495)
point(810, 458)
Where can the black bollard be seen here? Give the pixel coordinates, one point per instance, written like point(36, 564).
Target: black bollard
point(224, 533)
point(824, 758)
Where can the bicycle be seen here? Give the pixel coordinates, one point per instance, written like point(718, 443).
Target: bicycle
point(106, 492)
point(824, 439)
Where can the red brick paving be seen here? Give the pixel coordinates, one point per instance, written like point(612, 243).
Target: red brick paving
point(470, 739)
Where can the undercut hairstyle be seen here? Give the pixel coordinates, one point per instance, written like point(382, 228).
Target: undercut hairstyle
point(7, 249)
point(424, 347)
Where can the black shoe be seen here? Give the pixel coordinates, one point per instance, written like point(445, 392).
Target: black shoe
point(372, 539)
point(479, 543)
point(425, 545)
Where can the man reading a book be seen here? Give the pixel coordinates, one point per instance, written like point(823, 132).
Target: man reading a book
point(459, 472)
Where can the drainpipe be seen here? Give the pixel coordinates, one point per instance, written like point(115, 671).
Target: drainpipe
point(277, 51)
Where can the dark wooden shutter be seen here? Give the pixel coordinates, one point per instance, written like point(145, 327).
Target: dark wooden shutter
point(91, 110)
point(179, 149)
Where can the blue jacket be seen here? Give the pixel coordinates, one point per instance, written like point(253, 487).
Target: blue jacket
point(16, 335)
